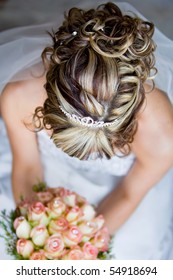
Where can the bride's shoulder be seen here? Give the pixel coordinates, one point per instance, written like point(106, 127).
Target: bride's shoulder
point(23, 96)
point(155, 125)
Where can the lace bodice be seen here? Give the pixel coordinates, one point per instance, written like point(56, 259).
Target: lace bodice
point(118, 166)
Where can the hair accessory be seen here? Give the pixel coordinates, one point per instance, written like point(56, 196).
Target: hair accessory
point(87, 121)
point(74, 33)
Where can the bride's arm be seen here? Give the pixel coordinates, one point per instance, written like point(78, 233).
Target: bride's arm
point(26, 165)
point(153, 147)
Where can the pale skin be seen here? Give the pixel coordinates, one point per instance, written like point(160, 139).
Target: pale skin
point(152, 146)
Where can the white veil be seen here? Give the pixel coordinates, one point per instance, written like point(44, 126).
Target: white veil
point(20, 50)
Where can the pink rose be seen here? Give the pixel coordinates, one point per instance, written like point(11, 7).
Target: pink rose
point(22, 227)
point(73, 214)
point(101, 240)
point(38, 255)
point(59, 225)
point(68, 197)
point(90, 251)
point(24, 248)
point(56, 208)
point(88, 212)
point(72, 237)
point(39, 234)
point(37, 214)
point(75, 253)
point(44, 197)
point(54, 246)
point(23, 207)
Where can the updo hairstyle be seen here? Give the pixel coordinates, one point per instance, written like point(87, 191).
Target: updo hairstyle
point(96, 67)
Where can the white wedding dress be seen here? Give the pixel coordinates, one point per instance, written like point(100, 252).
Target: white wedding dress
point(148, 233)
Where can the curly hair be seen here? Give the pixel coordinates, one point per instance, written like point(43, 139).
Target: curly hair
point(96, 67)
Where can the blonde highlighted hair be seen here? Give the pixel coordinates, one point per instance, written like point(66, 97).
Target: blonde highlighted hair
point(96, 68)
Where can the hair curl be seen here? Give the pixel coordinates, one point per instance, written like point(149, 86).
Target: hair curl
point(97, 67)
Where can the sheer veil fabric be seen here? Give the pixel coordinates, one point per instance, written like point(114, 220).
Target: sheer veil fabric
point(143, 236)
point(21, 49)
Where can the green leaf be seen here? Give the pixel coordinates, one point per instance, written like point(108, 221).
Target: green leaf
point(40, 187)
point(10, 238)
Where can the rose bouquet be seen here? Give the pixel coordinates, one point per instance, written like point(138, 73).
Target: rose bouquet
point(59, 225)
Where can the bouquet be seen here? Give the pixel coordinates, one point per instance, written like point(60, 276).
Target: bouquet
point(59, 225)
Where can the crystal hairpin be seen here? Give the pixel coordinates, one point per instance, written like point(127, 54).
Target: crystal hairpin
point(74, 33)
point(87, 121)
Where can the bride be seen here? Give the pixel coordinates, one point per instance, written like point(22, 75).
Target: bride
point(93, 122)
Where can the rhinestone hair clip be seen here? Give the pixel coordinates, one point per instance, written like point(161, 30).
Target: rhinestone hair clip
point(87, 121)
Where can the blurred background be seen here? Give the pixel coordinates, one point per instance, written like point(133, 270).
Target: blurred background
point(20, 12)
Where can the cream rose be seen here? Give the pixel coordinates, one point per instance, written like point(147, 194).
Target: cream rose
point(101, 239)
point(22, 227)
point(88, 212)
point(74, 254)
point(58, 225)
point(37, 214)
point(74, 214)
point(68, 197)
point(90, 251)
point(99, 221)
point(56, 208)
point(72, 236)
point(24, 248)
point(23, 207)
point(54, 246)
point(38, 255)
point(39, 234)
point(88, 228)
